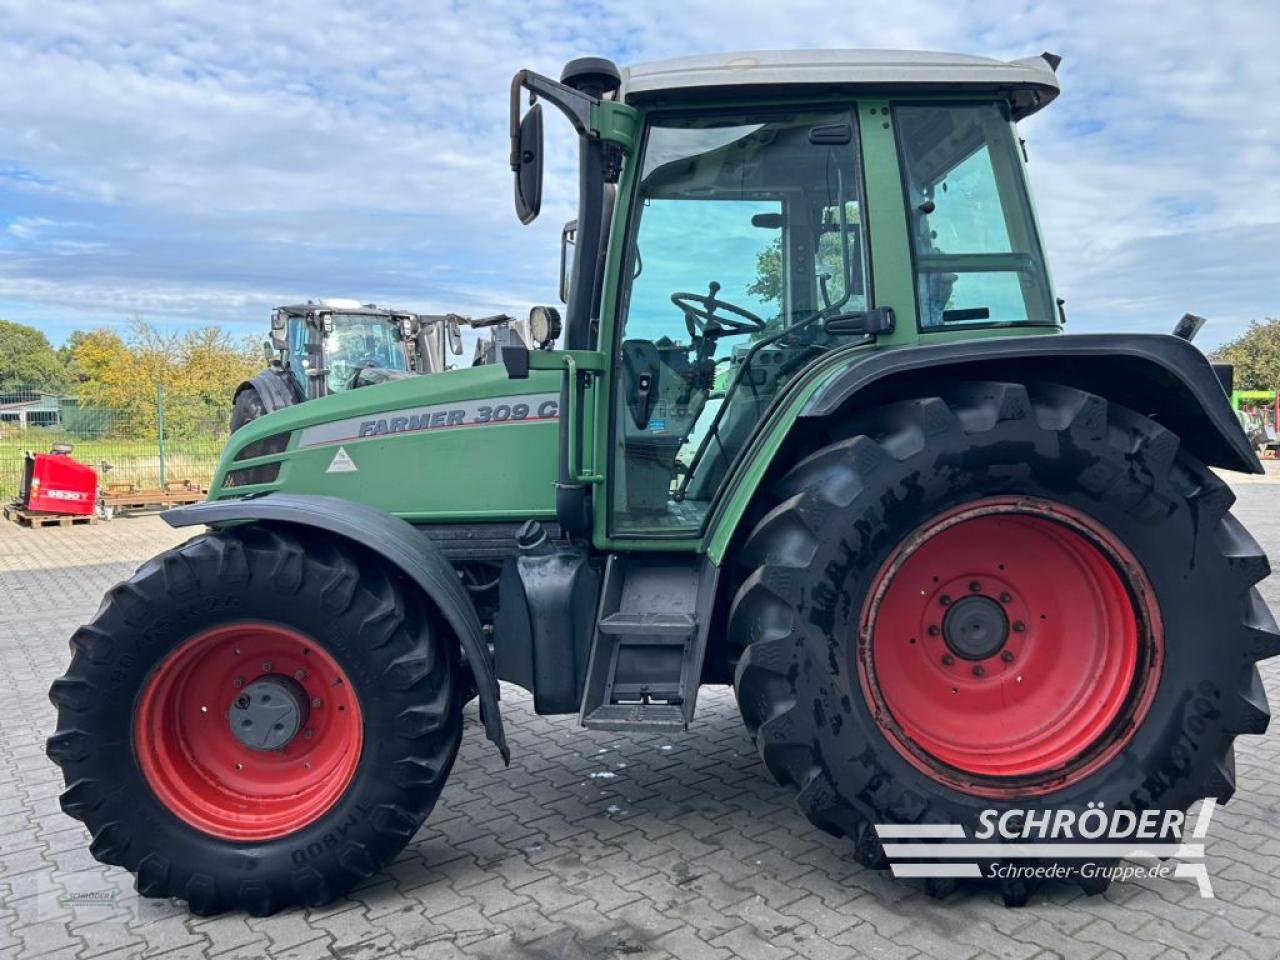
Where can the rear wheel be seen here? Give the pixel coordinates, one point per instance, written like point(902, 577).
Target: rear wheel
point(999, 597)
point(256, 719)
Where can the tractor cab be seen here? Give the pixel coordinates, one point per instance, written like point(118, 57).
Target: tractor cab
point(338, 345)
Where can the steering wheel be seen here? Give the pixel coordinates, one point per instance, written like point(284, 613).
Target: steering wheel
point(702, 320)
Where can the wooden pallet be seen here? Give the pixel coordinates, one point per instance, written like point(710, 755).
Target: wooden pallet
point(121, 497)
point(28, 519)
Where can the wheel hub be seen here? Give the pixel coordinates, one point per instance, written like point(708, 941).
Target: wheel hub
point(1008, 646)
point(248, 731)
point(975, 628)
point(269, 712)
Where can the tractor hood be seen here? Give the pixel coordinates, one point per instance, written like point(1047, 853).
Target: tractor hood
point(467, 444)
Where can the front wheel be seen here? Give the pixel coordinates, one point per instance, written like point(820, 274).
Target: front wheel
point(1001, 598)
point(257, 718)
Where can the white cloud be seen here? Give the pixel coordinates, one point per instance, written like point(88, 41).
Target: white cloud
point(193, 162)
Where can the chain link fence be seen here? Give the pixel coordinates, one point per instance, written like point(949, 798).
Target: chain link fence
point(167, 440)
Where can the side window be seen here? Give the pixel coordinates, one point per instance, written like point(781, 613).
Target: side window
point(977, 256)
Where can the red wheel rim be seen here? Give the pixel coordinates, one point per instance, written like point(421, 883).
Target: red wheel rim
point(205, 774)
point(1010, 647)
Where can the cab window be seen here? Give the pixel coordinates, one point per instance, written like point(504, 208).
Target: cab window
point(978, 260)
point(746, 232)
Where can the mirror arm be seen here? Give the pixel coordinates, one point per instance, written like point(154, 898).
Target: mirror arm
point(574, 104)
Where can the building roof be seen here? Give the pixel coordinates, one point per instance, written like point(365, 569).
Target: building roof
point(1030, 82)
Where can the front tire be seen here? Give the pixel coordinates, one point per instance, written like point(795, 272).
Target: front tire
point(257, 718)
point(246, 408)
point(854, 682)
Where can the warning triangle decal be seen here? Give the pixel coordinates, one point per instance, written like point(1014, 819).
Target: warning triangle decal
point(342, 463)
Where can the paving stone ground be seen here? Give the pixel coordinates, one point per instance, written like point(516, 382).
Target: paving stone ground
point(590, 845)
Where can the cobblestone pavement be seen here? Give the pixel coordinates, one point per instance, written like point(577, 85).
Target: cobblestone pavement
point(591, 845)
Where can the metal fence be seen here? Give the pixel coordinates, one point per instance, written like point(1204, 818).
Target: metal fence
point(164, 439)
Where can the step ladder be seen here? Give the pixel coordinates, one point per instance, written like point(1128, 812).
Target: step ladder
point(651, 633)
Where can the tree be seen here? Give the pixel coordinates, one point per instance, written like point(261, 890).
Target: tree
point(27, 358)
point(1255, 354)
point(197, 369)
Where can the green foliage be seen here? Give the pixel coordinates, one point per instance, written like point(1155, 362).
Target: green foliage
point(198, 370)
point(1255, 354)
point(27, 358)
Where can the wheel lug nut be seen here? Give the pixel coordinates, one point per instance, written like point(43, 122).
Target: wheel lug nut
point(238, 681)
point(300, 675)
point(1007, 656)
point(1006, 597)
point(266, 667)
point(974, 586)
point(948, 659)
point(945, 600)
point(933, 630)
point(1019, 626)
point(308, 734)
point(242, 702)
point(978, 670)
point(316, 701)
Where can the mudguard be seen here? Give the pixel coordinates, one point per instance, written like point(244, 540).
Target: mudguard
point(397, 542)
point(1154, 374)
point(275, 387)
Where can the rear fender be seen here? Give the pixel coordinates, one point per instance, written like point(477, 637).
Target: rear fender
point(1160, 376)
point(276, 388)
point(397, 542)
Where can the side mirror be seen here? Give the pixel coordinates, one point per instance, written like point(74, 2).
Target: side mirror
point(527, 164)
point(268, 352)
point(279, 335)
point(568, 239)
point(454, 333)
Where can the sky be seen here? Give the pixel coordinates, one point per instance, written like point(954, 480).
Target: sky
point(190, 164)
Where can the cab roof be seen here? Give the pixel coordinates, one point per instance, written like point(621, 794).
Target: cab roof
point(1029, 83)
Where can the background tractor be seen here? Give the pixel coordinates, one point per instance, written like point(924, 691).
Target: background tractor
point(813, 429)
point(318, 349)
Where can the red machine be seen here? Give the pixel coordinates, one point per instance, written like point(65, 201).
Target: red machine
point(54, 483)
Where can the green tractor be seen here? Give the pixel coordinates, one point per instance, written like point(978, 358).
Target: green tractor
point(320, 348)
point(813, 430)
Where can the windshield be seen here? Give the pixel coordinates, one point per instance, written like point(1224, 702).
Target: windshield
point(359, 341)
point(744, 232)
point(977, 254)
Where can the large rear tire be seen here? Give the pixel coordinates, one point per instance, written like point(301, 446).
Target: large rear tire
point(999, 596)
point(257, 718)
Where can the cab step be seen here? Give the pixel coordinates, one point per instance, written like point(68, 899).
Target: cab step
point(647, 650)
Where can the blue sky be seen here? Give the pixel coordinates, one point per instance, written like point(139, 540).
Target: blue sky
point(199, 164)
